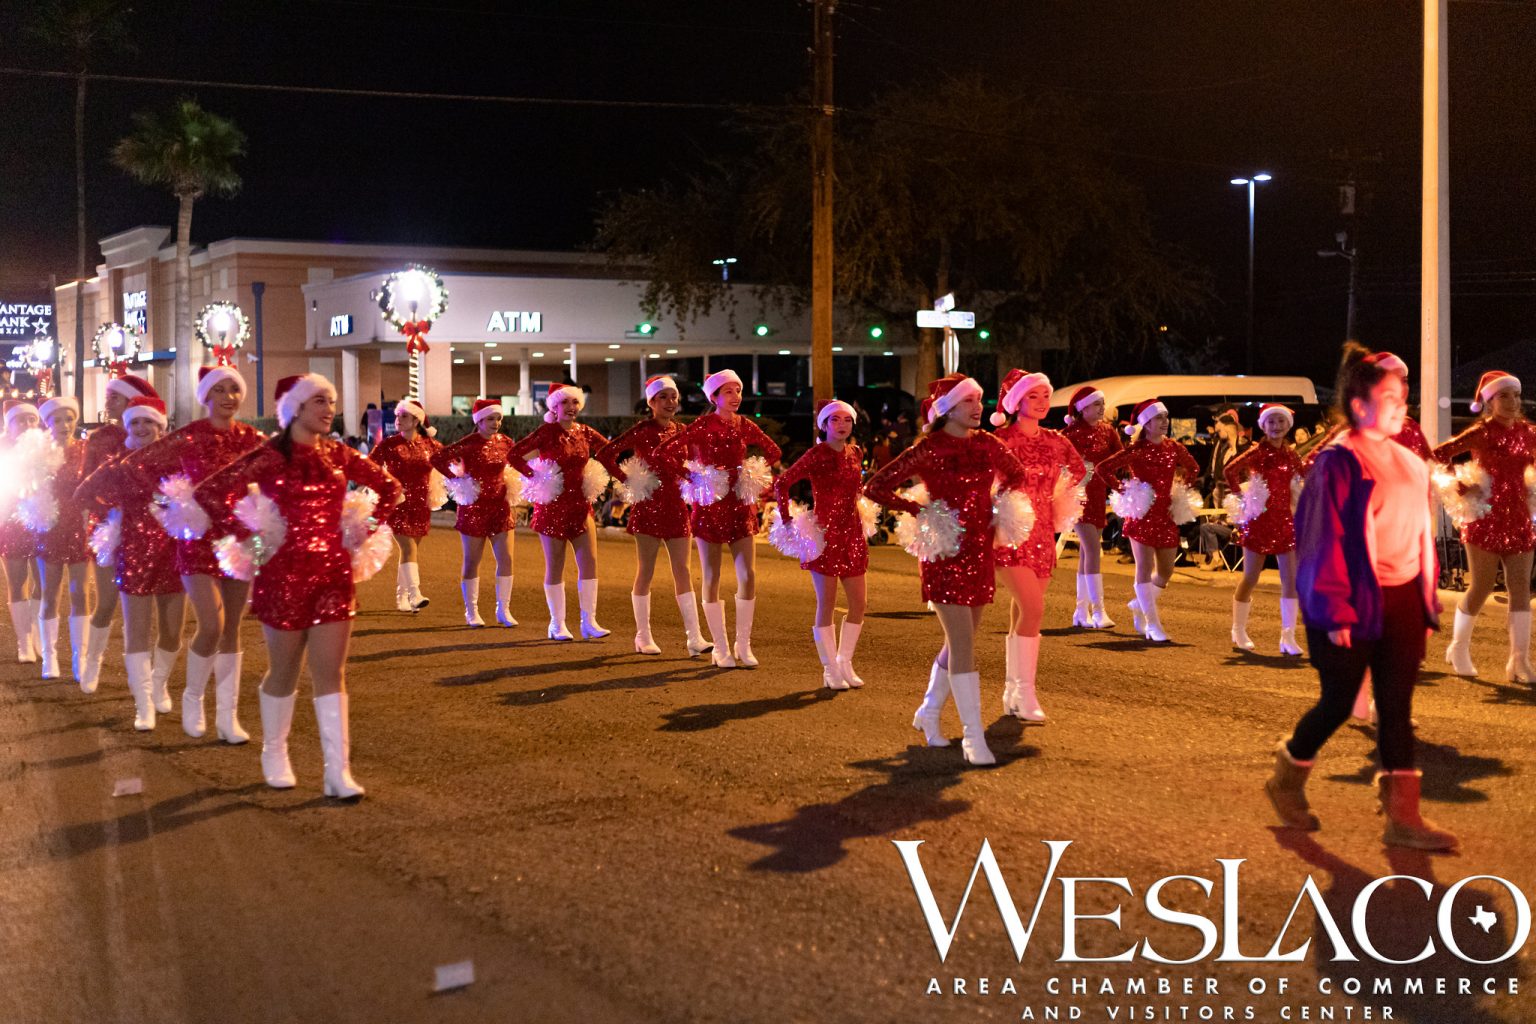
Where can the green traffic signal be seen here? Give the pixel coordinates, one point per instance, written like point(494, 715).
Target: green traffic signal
point(983, 334)
point(761, 330)
point(876, 332)
point(645, 327)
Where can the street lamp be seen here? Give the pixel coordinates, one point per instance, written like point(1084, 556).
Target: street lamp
point(1252, 183)
point(1349, 253)
point(725, 267)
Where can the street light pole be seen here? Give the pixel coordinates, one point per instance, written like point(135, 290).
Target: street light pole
point(1252, 183)
point(1435, 235)
point(1351, 254)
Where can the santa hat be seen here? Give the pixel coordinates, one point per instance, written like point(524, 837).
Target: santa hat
point(659, 383)
point(1012, 391)
point(1490, 384)
point(145, 408)
point(925, 412)
point(825, 410)
point(715, 381)
point(294, 391)
point(1144, 411)
point(414, 408)
point(1388, 361)
point(948, 392)
point(559, 391)
point(1081, 399)
point(14, 408)
point(1269, 409)
point(131, 387)
point(208, 378)
point(483, 407)
point(53, 405)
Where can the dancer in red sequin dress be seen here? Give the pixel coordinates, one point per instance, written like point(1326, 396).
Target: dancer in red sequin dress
point(1271, 531)
point(712, 451)
point(16, 542)
point(61, 551)
point(303, 595)
point(1050, 463)
point(144, 565)
point(407, 456)
point(564, 450)
point(1503, 445)
point(185, 458)
point(958, 466)
point(658, 516)
point(1095, 440)
point(482, 457)
point(101, 444)
point(835, 469)
point(1155, 460)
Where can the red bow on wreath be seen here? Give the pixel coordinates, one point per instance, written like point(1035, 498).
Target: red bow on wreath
point(224, 355)
point(117, 369)
point(415, 332)
point(44, 379)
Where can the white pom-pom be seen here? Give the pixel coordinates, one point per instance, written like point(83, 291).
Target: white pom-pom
point(357, 521)
point(514, 483)
point(753, 479)
point(260, 514)
point(1296, 484)
point(1133, 499)
point(437, 491)
point(178, 511)
point(35, 460)
point(869, 517)
point(802, 538)
point(933, 534)
point(105, 537)
point(1013, 516)
point(38, 512)
point(917, 494)
point(373, 553)
point(237, 558)
point(465, 490)
point(545, 483)
point(704, 484)
point(640, 482)
point(1252, 499)
point(1067, 501)
point(1464, 491)
point(594, 480)
point(1183, 504)
point(1530, 490)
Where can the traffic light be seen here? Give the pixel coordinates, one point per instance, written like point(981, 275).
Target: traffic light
point(983, 334)
point(645, 327)
point(877, 332)
point(762, 330)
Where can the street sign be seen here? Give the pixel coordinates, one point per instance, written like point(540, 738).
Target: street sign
point(958, 320)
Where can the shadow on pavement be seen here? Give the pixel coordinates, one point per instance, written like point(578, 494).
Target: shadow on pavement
point(1447, 772)
point(604, 684)
point(712, 716)
point(140, 823)
point(1507, 693)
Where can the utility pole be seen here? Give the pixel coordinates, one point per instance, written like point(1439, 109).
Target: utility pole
point(821, 205)
point(1435, 235)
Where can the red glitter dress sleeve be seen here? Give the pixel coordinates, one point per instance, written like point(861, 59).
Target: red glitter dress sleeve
point(1460, 444)
point(754, 436)
point(64, 544)
point(1412, 437)
point(801, 469)
point(883, 486)
point(146, 556)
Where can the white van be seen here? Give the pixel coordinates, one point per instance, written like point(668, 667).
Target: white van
point(1194, 389)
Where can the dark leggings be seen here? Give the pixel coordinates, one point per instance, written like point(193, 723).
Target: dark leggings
point(1394, 664)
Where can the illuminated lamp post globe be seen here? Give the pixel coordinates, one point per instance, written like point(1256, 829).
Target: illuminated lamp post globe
point(37, 358)
point(411, 300)
point(222, 327)
point(114, 347)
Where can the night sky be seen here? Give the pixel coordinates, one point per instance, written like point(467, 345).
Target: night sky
point(1189, 94)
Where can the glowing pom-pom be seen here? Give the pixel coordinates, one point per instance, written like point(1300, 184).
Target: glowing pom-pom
point(704, 484)
point(1067, 501)
point(237, 558)
point(1465, 492)
point(1249, 502)
point(917, 494)
point(1184, 503)
point(373, 553)
point(594, 480)
point(802, 538)
point(437, 491)
point(933, 534)
point(514, 482)
point(178, 511)
point(753, 479)
point(260, 514)
point(105, 537)
point(357, 521)
point(640, 482)
point(38, 512)
point(1013, 515)
point(869, 517)
point(1133, 499)
point(465, 490)
point(545, 483)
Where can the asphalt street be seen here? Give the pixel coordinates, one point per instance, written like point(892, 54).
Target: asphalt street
point(611, 836)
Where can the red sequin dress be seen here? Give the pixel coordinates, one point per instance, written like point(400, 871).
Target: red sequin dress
point(485, 459)
point(65, 543)
point(836, 481)
point(960, 471)
point(1043, 457)
point(567, 516)
point(1095, 442)
point(1274, 531)
point(1503, 452)
point(664, 514)
point(308, 581)
point(713, 441)
point(101, 444)
point(1156, 464)
point(409, 462)
point(146, 555)
point(196, 451)
point(16, 541)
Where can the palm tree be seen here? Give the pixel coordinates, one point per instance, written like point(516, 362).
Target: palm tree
point(84, 28)
point(193, 152)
